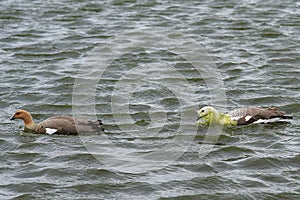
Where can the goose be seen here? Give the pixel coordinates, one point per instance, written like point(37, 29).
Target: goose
point(242, 116)
point(57, 124)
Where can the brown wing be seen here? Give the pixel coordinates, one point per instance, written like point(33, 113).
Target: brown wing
point(251, 114)
point(70, 125)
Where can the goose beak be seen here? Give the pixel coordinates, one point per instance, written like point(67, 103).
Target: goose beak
point(13, 118)
point(198, 118)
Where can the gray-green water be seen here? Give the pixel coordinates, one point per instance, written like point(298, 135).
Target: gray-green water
point(254, 46)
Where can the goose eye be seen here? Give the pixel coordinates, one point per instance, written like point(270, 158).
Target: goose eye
point(202, 110)
point(18, 113)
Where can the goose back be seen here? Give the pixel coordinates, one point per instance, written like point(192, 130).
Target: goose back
point(251, 114)
point(68, 125)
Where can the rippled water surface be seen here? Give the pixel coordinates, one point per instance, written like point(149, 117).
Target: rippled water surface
point(149, 65)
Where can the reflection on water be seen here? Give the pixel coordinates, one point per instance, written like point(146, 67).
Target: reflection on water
point(254, 47)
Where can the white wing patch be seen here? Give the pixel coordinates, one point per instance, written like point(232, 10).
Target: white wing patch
point(247, 118)
point(269, 121)
point(50, 131)
point(235, 118)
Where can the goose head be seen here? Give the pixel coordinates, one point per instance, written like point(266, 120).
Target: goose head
point(207, 115)
point(207, 110)
point(24, 115)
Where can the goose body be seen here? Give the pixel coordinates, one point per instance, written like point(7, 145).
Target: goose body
point(241, 116)
point(57, 124)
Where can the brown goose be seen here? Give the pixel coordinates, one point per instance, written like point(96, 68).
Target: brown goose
point(57, 124)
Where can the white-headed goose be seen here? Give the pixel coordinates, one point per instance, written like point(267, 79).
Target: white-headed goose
point(241, 116)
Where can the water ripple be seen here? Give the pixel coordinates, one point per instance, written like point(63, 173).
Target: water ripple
point(253, 44)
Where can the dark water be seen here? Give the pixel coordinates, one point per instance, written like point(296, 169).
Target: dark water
point(154, 150)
